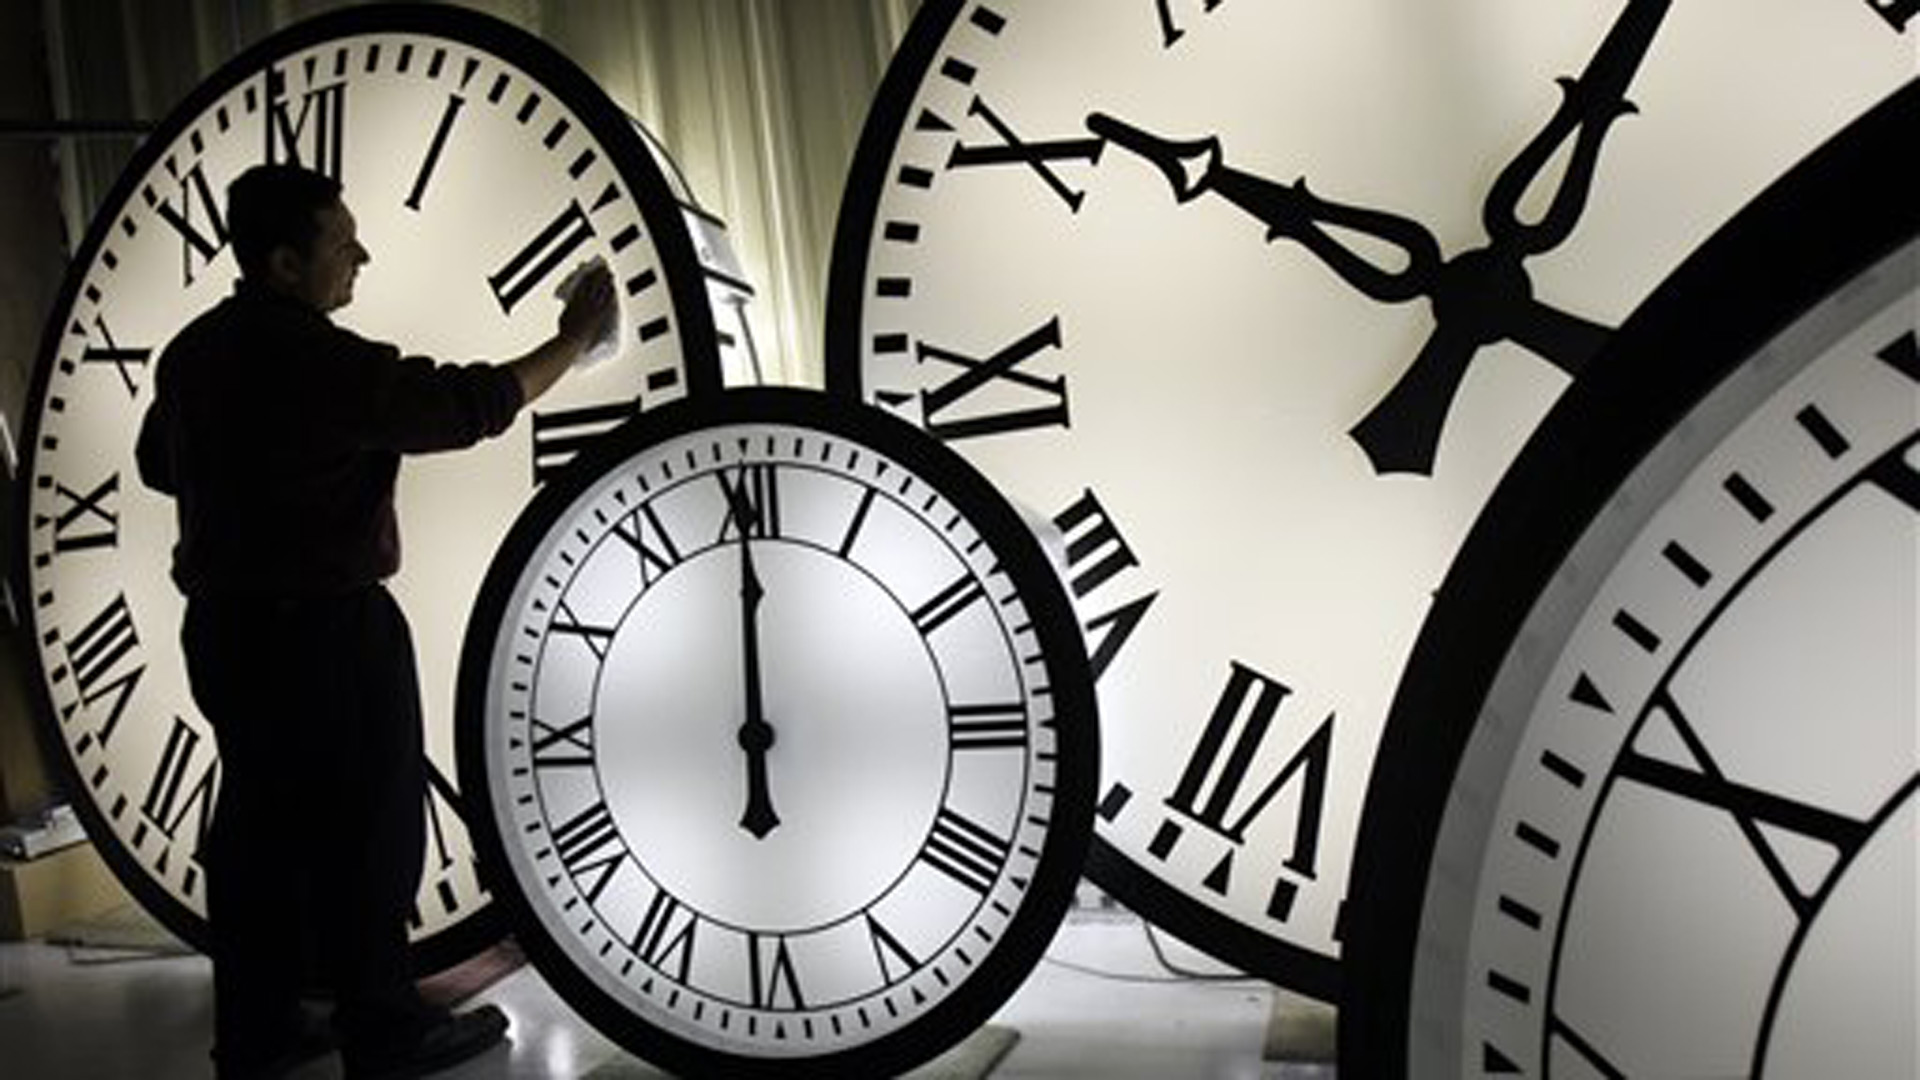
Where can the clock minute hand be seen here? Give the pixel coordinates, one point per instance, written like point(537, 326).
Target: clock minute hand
point(1196, 166)
point(755, 735)
point(1589, 104)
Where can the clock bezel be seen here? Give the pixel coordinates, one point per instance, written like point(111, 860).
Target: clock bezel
point(646, 187)
point(995, 977)
point(1714, 314)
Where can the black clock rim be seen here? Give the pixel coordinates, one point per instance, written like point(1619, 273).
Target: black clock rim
point(990, 982)
point(1119, 874)
point(1841, 209)
point(659, 209)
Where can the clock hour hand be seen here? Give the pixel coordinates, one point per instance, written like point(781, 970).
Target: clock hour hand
point(755, 735)
point(1196, 166)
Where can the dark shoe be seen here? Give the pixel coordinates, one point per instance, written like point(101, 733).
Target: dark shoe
point(444, 1043)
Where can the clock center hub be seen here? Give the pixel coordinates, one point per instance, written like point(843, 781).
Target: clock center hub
point(844, 680)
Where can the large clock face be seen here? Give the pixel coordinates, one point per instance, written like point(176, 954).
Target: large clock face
point(1683, 835)
point(481, 166)
point(783, 736)
point(1256, 301)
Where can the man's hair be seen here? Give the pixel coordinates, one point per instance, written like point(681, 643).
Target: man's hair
point(271, 205)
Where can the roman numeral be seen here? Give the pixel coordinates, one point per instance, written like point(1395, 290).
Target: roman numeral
point(558, 437)
point(947, 603)
point(998, 726)
point(195, 191)
point(666, 935)
point(976, 375)
point(84, 521)
point(1096, 553)
point(94, 656)
point(589, 845)
point(541, 256)
point(1701, 781)
point(435, 147)
point(598, 638)
point(965, 851)
point(859, 521)
point(753, 502)
point(1213, 785)
point(888, 952)
point(644, 533)
point(182, 783)
point(570, 745)
point(440, 792)
point(1892, 473)
point(314, 137)
point(1038, 156)
point(123, 358)
point(772, 981)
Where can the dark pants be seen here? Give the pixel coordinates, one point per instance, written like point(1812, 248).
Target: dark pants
point(315, 850)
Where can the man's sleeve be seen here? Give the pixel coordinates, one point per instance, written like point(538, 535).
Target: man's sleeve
point(413, 405)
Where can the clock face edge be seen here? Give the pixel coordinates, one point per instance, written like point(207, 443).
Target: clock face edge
point(480, 926)
point(992, 978)
point(1595, 438)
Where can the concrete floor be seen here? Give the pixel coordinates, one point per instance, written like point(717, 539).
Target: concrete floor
point(1103, 1004)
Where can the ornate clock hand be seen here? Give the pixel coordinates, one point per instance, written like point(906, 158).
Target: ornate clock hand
point(1589, 104)
point(755, 735)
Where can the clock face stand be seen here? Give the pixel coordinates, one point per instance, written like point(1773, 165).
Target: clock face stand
point(781, 739)
point(1647, 792)
point(481, 166)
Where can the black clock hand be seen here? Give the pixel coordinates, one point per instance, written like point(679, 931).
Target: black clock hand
point(755, 735)
point(1589, 104)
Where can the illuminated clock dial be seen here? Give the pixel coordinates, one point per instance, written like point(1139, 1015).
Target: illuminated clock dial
point(1256, 301)
point(481, 166)
point(782, 740)
point(1649, 802)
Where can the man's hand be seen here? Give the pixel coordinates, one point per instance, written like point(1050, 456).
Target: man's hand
point(591, 312)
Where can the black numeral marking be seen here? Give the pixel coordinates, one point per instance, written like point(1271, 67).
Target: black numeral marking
point(965, 851)
point(666, 935)
point(84, 521)
point(976, 375)
point(560, 436)
point(94, 656)
point(1096, 553)
point(435, 147)
point(440, 792)
point(123, 358)
point(643, 531)
point(1170, 31)
point(1216, 776)
point(598, 638)
point(947, 603)
point(996, 726)
point(541, 256)
point(195, 191)
point(1038, 156)
point(1706, 784)
point(315, 136)
point(889, 952)
point(567, 746)
point(590, 847)
point(773, 983)
point(752, 494)
point(183, 783)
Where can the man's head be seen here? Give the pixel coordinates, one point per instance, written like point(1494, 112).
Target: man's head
point(291, 233)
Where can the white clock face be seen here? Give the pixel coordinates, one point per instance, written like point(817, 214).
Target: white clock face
point(1256, 301)
point(785, 748)
point(481, 167)
point(1683, 836)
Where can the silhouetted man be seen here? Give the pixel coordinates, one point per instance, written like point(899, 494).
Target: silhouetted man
point(279, 435)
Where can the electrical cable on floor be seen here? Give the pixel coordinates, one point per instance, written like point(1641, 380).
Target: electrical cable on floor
point(1153, 942)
